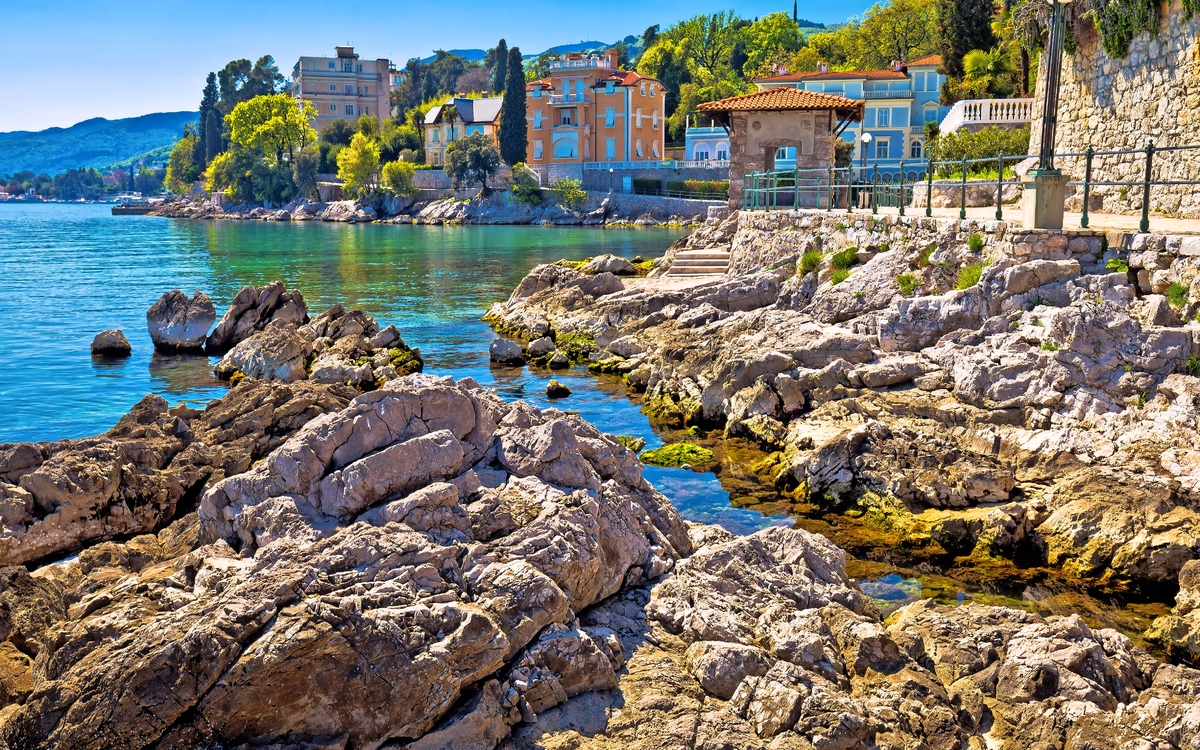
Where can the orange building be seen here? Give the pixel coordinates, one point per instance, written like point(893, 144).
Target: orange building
point(588, 110)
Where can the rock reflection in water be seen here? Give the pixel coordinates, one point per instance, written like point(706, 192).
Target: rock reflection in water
point(186, 374)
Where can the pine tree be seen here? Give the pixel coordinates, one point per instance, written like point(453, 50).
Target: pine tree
point(514, 140)
point(208, 103)
point(964, 25)
point(212, 135)
point(500, 79)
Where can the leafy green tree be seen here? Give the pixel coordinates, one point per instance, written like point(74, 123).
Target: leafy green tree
point(398, 177)
point(213, 142)
point(239, 81)
point(570, 191)
point(275, 123)
point(305, 168)
point(208, 105)
point(395, 139)
point(708, 39)
point(525, 187)
point(963, 25)
point(989, 73)
point(540, 67)
point(368, 125)
point(500, 67)
point(358, 165)
point(442, 73)
point(514, 139)
point(767, 39)
point(668, 62)
point(474, 159)
point(182, 170)
point(338, 132)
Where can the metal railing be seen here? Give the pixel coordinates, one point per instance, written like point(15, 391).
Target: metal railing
point(601, 166)
point(869, 187)
point(583, 98)
point(887, 94)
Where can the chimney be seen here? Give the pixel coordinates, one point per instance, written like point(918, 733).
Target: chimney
point(824, 67)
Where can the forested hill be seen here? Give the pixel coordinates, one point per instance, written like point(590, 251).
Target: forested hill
point(91, 143)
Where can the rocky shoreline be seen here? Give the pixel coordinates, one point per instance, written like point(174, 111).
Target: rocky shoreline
point(616, 210)
point(411, 562)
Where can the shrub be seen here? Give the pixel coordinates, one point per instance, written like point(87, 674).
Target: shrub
point(714, 189)
point(923, 260)
point(1119, 265)
point(1192, 366)
point(1049, 345)
point(983, 144)
point(839, 275)
point(571, 191)
point(969, 275)
point(975, 243)
point(844, 259)
point(908, 284)
point(1177, 294)
point(647, 186)
point(525, 187)
point(398, 177)
point(809, 262)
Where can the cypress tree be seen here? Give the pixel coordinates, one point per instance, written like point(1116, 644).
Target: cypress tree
point(514, 140)
point(963, 25)
point(212, 136)
point(500, 77)
point(207, 104)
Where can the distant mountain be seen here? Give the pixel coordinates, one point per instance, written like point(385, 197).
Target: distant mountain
point(92, 143)
point(474, 55)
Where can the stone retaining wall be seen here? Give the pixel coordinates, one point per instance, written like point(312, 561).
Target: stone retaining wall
point(948, 194)
point(1116, 105)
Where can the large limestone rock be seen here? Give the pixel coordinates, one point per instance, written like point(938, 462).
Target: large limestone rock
point(133, 479)
point(252, 310)
point(410, 567)
point(276, 353)
point(1179, 632)
point(178, 323)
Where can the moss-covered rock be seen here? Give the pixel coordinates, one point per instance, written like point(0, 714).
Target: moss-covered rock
point(635, 444)
point(664, 411)
point(608, 365)
point(406, 361)
point(555, 389)
point(679, 454)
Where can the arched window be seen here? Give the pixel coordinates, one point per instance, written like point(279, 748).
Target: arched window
point(917, 150)
point(565, 149)
point(722, 151)
point(701, 152)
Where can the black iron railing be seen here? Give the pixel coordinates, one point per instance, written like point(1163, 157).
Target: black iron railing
point(871, 188)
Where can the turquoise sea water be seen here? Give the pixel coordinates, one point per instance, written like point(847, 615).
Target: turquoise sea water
point(70, 271)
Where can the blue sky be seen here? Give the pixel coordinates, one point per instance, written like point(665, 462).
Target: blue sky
point(71, 60)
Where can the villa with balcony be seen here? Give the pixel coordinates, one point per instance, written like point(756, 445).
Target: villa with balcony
point(456, 118)
point(898, 103)
point(588, 111)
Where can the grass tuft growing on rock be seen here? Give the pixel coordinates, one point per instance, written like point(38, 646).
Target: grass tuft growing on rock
point(975, 243)
point(845, 259)
point(923, 260)
point(1050, 345)
point(838, 276)
point(809, 262)
point(1192, 366)
point(969, 276)
point(908, 284)
point(677, 455)
point(1177, 295)
point(1117, 265)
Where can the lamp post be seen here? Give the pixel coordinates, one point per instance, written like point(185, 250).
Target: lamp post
point(866, 141)
point(1045, 186)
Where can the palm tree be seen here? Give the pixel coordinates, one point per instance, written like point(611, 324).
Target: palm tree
point(988, 71)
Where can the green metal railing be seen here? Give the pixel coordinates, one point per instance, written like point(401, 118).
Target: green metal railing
point(870, 188)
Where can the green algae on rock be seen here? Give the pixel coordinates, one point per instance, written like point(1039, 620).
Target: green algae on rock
point(678, 454)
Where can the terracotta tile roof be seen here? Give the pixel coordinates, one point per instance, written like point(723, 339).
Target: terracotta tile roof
point(926, 60)
point(783, 99)
point(626, 78)
point(544, 83)
point(872, 75)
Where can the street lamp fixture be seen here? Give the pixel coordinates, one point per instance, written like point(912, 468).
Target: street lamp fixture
point(1045, 186)
point(866, 141)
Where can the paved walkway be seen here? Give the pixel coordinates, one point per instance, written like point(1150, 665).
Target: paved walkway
point(1097, 222)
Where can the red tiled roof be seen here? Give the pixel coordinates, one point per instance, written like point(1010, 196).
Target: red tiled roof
point(926, 60)
point(835, 75)
point(544, 83)
point(783, 99)
point(626, 78)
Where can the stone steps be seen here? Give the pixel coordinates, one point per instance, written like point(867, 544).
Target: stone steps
point(699, 263)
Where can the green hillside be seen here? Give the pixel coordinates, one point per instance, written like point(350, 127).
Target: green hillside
point(91, 143)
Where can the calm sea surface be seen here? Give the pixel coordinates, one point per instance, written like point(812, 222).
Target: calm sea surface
point(68, 272)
